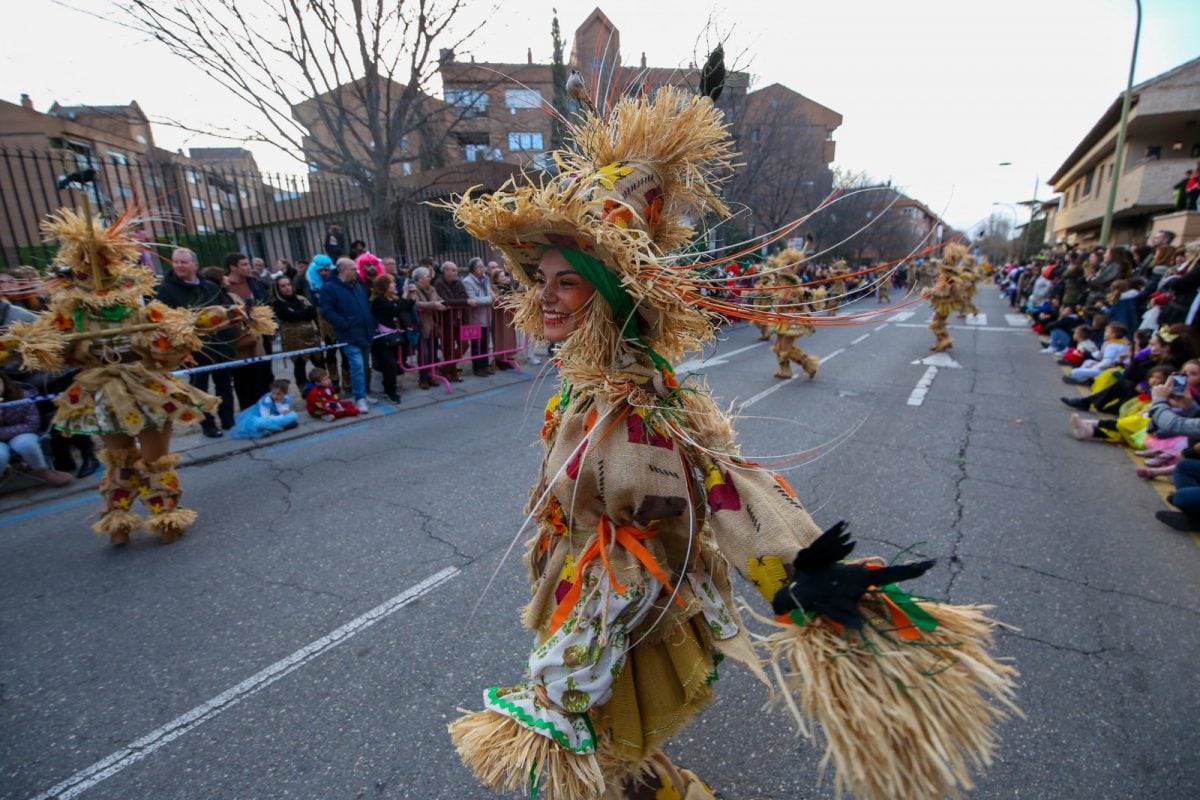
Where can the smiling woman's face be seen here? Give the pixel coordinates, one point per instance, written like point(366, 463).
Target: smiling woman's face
point(563, 293)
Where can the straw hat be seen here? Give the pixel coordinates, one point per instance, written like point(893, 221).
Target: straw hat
point(629, 191)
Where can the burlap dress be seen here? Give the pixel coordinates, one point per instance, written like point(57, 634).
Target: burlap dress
point(629, 572)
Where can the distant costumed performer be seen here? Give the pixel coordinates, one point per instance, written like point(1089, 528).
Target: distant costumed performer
point(643, 504)
point(792, 296)
point(97, 320)
point(945, 295)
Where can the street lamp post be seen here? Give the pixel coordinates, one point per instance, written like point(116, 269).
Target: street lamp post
point(1106, 225)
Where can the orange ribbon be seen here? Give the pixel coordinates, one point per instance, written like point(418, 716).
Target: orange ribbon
point(628, 536)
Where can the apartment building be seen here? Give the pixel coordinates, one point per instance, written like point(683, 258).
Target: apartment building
point(1162, 143)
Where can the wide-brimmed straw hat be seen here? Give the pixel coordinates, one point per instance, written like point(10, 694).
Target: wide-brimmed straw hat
point(631, 188)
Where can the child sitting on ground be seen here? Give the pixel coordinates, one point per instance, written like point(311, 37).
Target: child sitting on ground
point(322, 401)
point(1082, 348)
point(1114, 351)
point(271, 414)
point(1133, 419)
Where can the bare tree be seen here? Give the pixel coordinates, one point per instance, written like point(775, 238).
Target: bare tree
point(343, 82)
point(784, 173)
point(864, 223)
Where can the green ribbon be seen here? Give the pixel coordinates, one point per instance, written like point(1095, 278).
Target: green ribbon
point(608, 285)
point(110, 313)
point(918, 615)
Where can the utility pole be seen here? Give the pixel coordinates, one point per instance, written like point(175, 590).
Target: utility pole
point(1106, 226)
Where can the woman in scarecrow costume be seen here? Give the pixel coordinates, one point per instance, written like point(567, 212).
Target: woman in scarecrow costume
point(837, 287)
point(970, 275)
point(946, 295)
point(125, 393)
point(643, 504)
point(792, 297)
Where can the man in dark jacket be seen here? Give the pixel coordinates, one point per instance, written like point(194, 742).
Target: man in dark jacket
point(183, 288)
point(454, 295)
point(345, 306)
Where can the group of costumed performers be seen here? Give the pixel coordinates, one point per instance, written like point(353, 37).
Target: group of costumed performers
point(98, 321)
point(947, 294)
point(643, 504)
point(791, 296)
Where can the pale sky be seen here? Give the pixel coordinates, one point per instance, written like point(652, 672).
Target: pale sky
point(934, 93)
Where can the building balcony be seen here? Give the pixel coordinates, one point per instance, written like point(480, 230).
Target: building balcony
point(1144, 189)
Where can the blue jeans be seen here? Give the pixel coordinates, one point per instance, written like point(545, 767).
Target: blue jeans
point(1060, 339)
point(1187, 487)
point(356, 356)
point(27, 446)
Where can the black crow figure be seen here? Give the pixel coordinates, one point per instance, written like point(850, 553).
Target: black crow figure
point(712, 76)
point(83, 176)
point(822, 585)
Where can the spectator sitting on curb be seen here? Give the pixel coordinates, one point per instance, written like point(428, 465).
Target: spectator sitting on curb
point(19, 433)
point(271, 414)
point(345, 305)
point(322, 402)
point(1173, 414)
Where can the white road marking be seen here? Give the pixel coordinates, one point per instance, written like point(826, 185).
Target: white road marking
point(135, 751)
point(1016, 320)
point(977, 319)
point(859, 339)
point(902, 316)
point(717, 360)
point(991, 329)
point(922, 388)
point(939, 360)
point(881, 327)
point(837, 352)
point(772, 389)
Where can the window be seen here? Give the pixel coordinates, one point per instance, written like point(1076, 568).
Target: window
point(199, 204)
point(203, 229)
point(829, 134)
point(313, 169)
point(754, 135)
point(140, 139)
point(523, 140)
point(125, 192)
point(1087, 181)
point(191, 176)
point(472, 102)
point(522, 98)
point(476, 152)
point(406, 168)
point(118, 159)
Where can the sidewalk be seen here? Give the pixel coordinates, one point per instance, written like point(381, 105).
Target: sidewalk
point(19, 491)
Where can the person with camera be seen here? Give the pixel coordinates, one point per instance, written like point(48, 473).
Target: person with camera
point(1174, 412)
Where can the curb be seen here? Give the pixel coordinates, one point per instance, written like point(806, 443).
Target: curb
point(205, 453)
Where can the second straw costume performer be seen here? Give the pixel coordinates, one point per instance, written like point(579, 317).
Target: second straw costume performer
point(126, 350)
point(946, 295)
point(792, 297)
point(643, 504)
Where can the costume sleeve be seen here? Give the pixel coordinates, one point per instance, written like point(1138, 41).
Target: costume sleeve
point(758, 522)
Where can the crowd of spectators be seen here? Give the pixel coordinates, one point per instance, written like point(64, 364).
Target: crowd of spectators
point(348, 314)
point(1124, 323)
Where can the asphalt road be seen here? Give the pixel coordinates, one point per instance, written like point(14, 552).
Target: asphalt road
point(314, 633)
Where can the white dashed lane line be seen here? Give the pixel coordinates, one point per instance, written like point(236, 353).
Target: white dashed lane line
point(135, 751)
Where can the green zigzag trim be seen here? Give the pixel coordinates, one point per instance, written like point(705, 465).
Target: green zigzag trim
point(587, 748)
